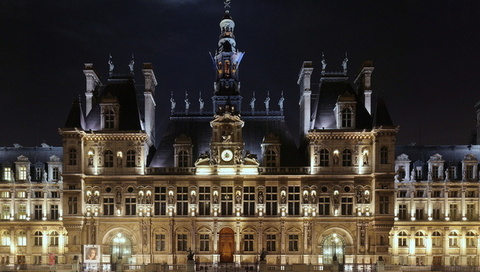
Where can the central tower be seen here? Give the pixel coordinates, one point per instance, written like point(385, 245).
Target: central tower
point(226, 62)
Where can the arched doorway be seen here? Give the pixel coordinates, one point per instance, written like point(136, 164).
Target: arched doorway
point(333, 248)
point(121, 251)
point(226, 245)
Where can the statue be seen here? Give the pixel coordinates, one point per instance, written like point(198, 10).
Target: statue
point(324, 63)
point(260, 197)
point(190, 254)
point(344, 63)
point(267, 102)
point(187, 103)
point(110, 65)
point(238, 198)
point(202, 104)
point(263, 254)
point(252, 102)
point(130, 65)
point(280, 102)
point(172, 103)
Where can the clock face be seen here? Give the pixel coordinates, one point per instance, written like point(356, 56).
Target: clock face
point(227, 155)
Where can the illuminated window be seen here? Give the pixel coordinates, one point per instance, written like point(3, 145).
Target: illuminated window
point(5, 238)
point(72, 156)
point(22, 238)
point(453, 239)
point(437, 239)
point(108, 158)
point(419, 239)
point(346, 116)
point(248, 242)
point(271, 242)
point(293, 242)
point(347, 157)
point(204, 200)
point(402, 239)
point(22, 211)
point(204, 242)
point(6, 211)
point(160, 242)
point(21, 194)
point(384, 155)
point(7, 174)
point(54, 238)
point(22, 173)
point(471, 239)
point(38, 238)
point(324, 157)
point(131, 158)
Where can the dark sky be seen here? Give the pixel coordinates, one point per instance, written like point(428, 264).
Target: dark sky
point(426, 56)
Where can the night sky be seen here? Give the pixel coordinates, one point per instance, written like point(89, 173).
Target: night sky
point(426, 56)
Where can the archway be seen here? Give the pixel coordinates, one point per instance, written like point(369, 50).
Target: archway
point(226, 245)
point(333, 249)
point(121, 252)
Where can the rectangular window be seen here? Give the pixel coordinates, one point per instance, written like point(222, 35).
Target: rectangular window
point(435, 172)
point(227, 201)
point(271, 242)
point(37, 212)
point(453, 194)
point(22, 173)
point(324, 206)
point(38, 194)
point(53, 211)
point(402, 193)
point(108, 206)
point(21, 194)
point(248, 200)
point(7, 174)
point(471, 212)
point(22, 211)
point(469, 171)
point(271, 205)
point(453, 212)
point(470, 194)
point(160, 242)
point(54, 195)
point(204, 242)
point(248, 242)
point(38, 173)
point(347, 205)
point(384, 205)
point(5, 194)
point(6, 211)
point(402, 212)
point(452, 170)
point(160, 201)
point(204, 199)
point(437, 194)
point(182, 242)
point(293, 242)
point(293, 200)
point(72, 205)
point(419, 193)
point(130, 206)
point(419, 214)
point(182, 200)
point(55, 173)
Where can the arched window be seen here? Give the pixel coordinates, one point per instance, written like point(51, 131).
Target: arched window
point(402, 239)
point(346, 118)
point(72, 156)
point(6, 238)
point(436, 239)
point(131, 158)
point(453, 239)
point(271, 158)
point(324, 157)
point(471, 239)
point(419, 239)
point(347, 157)
point(38, 238)
point(109, 119)
point(183, 158)
point(108, 158)
point(383, 155)
point(22, 238)
point(54, 238)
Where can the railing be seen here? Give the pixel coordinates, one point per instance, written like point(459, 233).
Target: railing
point(37, 267)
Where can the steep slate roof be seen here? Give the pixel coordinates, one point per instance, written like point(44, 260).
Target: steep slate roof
point(199, 130)
point(75, 117)
point(34, 154)
point(324, 100)
point(452, 154)
point(381, 115)
point(122, 89)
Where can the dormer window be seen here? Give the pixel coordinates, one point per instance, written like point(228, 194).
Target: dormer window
point(183, 159)
point(346, 117)
point(7, 173)
point(271, 158)
point(22, 173)
point(109, 117)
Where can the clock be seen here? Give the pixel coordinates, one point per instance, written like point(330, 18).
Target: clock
point(227, 155)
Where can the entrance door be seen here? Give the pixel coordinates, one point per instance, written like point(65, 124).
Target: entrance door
point(333, 249)
point(121, 251)
point(226, 245)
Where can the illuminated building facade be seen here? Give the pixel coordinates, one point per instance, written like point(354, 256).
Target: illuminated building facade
point(230, 183)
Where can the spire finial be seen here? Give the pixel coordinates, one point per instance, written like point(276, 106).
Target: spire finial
point(132, 62)
point(226, 4)
point(324, 63)
point(110, 64)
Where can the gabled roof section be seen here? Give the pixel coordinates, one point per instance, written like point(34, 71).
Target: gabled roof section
point(451, 154)
point(119, 89)
point(75, 118)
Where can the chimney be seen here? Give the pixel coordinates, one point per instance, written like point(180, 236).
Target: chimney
point(364, 82)
point(149, 93)
point(303, 82)
point(93, 82)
